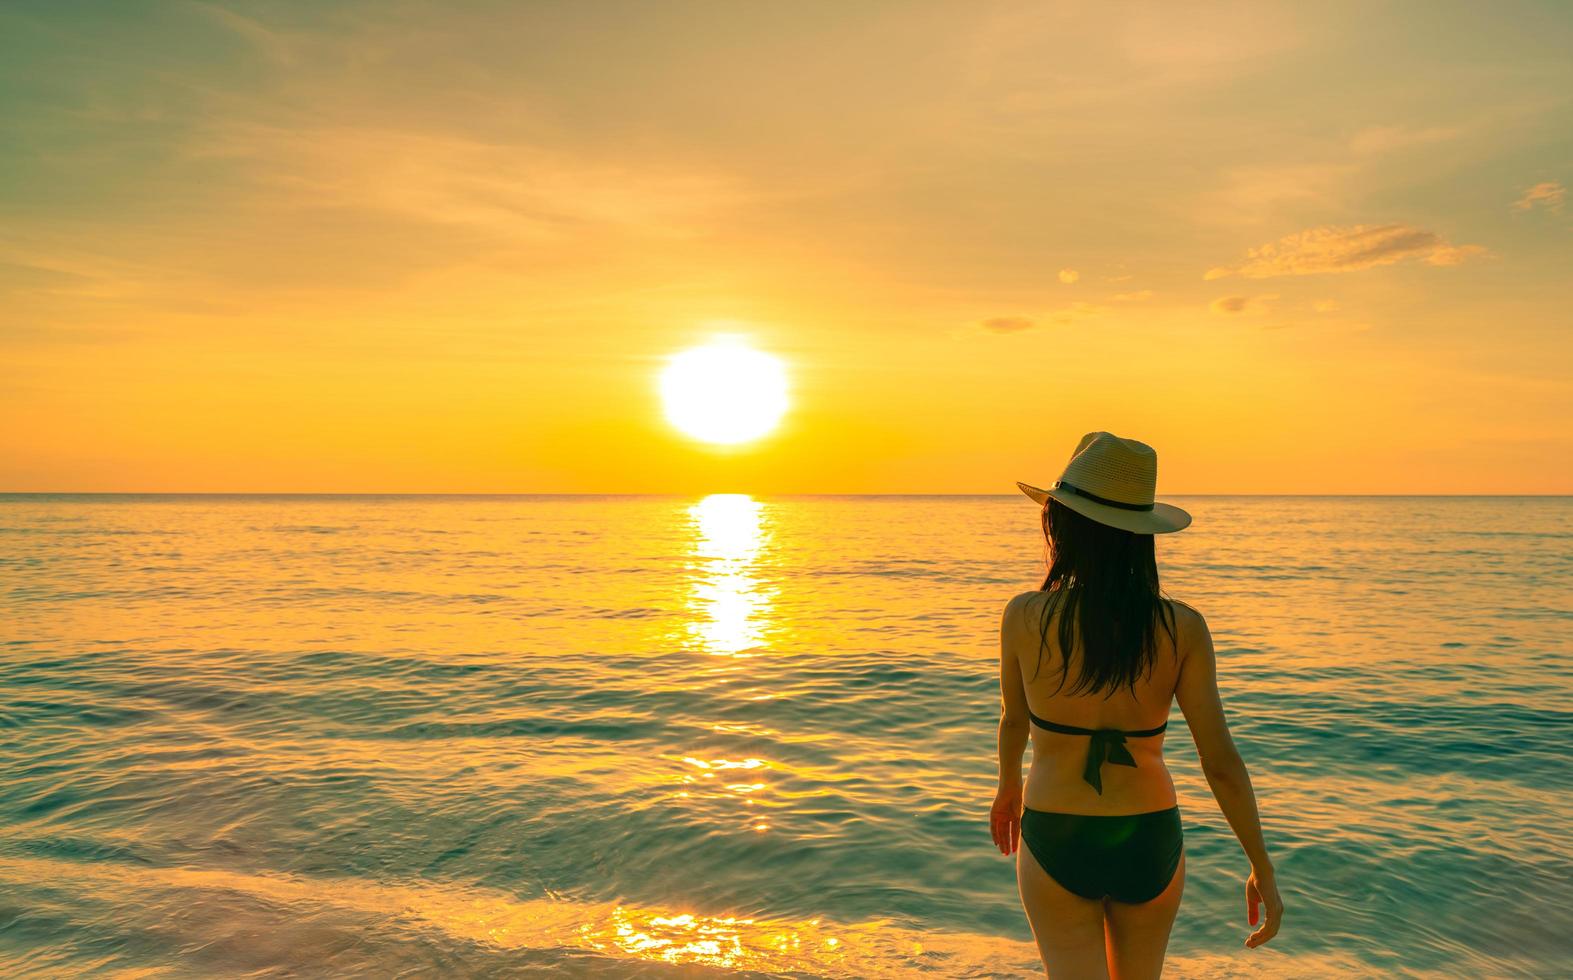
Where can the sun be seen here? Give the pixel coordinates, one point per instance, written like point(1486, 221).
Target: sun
point(724, 393)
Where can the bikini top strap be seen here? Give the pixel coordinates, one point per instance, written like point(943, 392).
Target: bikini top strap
point(1073, 730)
point(1151, 731)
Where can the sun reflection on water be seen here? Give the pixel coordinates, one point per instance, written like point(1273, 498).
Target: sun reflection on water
point(735, 787)
point(728, 942)
point(731, 602)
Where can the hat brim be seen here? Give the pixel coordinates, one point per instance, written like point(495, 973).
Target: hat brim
point(1162, 519)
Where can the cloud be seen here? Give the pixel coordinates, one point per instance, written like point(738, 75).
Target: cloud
point(516, 191)
point(1254, 194)
point(1547, 194)
point(1068, 276)
point(1382, 139)
point(1065, 315)
point(1326, 306)
point(1136, 297)
point(1243, 304)
point(1454, 254)
point(1007, 324)
point(270, 43)
point(1334, 249)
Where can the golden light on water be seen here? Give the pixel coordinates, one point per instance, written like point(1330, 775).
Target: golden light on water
point(300, 911)
point(729, 601)
point(729, 611)
point(724, 393)
point(727, 942)
point(736, 790)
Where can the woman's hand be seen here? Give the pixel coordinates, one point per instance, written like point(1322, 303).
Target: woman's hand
point(1262, 889)
point(1005, 818)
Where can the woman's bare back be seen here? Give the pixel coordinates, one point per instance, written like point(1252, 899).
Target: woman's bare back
point(1055, 781)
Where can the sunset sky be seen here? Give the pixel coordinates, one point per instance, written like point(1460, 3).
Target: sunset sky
point(1297, 248)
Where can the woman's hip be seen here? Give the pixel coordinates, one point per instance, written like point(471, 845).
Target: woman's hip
point(1129, 857)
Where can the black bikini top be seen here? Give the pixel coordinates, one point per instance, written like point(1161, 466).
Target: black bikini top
point(1106, 745)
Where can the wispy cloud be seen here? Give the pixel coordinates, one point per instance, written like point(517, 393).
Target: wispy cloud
point(1007, 324)
point(71, 270)
point(1064, 315)
point(1243, 304)
point(1345, 249)
point(268, 41)
point(1136, 297)
point(1384, 139)
point(1255, 193)
point(1068, 276)
point(518, 191)
point(1547, 194)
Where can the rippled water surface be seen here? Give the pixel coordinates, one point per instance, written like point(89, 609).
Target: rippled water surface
point(654, 736)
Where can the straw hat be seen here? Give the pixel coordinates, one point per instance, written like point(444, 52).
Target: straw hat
point(1112, 481)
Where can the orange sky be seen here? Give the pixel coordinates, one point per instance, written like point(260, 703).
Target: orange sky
point(298, 247)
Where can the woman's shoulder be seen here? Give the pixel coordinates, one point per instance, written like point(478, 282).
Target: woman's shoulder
point(1188, 620)
point(1023, 601)
point(1022, 609)
point(1021, 598)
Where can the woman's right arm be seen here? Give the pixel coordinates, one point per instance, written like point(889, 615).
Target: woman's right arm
point(1197, 692)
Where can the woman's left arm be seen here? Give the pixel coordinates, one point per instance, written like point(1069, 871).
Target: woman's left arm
point(1014, 731)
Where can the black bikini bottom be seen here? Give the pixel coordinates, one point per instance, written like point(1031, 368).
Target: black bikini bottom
point(1129, 858)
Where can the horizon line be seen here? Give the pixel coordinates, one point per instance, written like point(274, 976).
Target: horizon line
point(514, 493)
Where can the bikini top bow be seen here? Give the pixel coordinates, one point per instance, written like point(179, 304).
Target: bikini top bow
point(1104, 745)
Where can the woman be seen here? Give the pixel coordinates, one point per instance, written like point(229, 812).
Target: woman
point(1089, 664)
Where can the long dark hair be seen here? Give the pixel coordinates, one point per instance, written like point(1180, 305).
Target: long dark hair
point(1104, 580)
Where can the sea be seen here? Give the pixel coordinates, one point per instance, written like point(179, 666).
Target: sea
point(741, 736)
